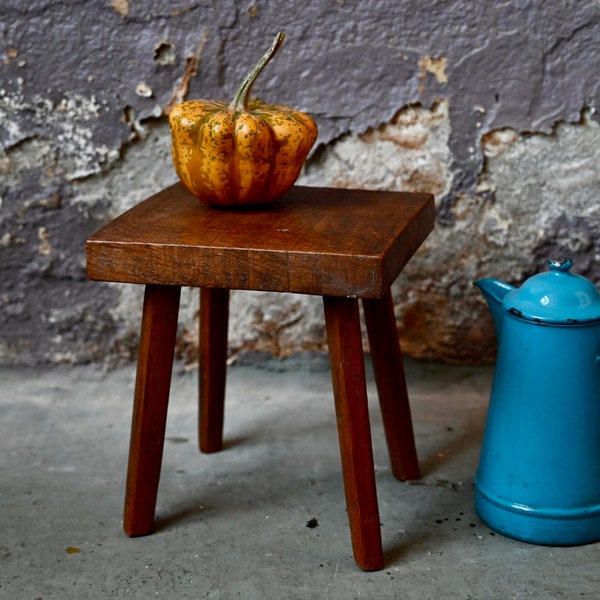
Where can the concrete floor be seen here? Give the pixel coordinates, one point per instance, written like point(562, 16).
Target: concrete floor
point(234, 524)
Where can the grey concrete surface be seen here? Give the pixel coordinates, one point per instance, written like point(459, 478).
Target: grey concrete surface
point(235, 524)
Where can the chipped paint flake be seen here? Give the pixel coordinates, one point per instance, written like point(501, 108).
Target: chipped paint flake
point(45, 247)
point(435, 66)
point(164, 53)
point(144, 90)
point(121, 6)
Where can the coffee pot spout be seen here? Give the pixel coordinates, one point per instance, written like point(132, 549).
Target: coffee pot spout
point(494, 291)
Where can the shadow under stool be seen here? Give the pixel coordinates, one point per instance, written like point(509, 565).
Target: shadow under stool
point(343, 245)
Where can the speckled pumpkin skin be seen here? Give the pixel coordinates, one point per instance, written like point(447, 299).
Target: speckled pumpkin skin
point(228, 157)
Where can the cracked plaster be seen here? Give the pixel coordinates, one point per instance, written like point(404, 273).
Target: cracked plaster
point(491, 106)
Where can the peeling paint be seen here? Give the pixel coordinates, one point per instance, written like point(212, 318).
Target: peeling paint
point(192, 64)
point(410, 153)
point(144, 90)
point(45, 247)
point(121, 6)
point(435, 66)
point(164, 53)
point(72, 118)
point(481, 104)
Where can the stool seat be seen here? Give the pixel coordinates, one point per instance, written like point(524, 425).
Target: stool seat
point(341, 244)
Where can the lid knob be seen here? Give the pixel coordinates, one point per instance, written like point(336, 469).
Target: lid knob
point(560, 264)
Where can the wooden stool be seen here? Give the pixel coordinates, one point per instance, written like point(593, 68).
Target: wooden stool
point(339, 244)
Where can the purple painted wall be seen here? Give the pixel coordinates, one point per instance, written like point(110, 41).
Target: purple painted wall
point(80, 79)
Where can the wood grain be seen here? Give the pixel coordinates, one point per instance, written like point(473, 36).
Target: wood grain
point(214, 317)
point(390, 379)
point(314, 240)
point(152, 386)
point(344, 339)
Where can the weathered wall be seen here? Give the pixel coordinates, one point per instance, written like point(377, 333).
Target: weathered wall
point(491, 106)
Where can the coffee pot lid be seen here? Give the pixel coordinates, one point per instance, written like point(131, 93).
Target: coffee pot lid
point(555, 296)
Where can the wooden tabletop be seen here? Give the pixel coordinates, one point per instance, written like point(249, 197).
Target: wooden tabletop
point(322, 241)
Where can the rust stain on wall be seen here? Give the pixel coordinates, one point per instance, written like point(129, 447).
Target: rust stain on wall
point(192, 65)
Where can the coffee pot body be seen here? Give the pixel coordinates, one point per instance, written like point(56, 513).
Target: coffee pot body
point(539, 472)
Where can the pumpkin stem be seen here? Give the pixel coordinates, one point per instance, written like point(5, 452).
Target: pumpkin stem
point(240, 101)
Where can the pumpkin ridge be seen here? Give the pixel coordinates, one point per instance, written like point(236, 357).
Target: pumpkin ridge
point(234, 165)
point(198, 144)
point(267, 192)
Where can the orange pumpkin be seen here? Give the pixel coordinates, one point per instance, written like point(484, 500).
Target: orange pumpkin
point(245, 152)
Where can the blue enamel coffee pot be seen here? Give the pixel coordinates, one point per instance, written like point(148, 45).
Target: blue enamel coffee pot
point(539, 472)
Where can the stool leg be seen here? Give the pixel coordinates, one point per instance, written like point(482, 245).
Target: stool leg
point(350, 393)
point(214, 317)
point(153, 380)
point(391, 386)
